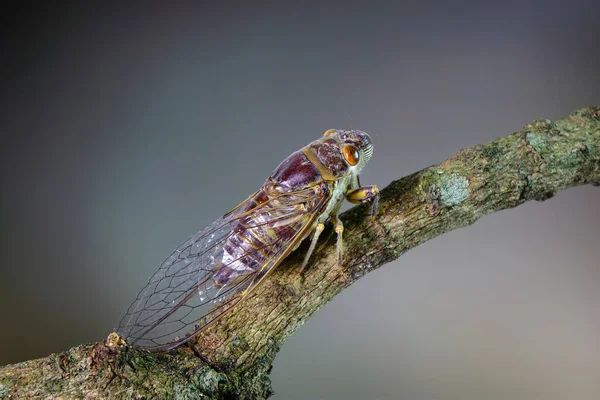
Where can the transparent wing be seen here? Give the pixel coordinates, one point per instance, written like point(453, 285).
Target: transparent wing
point(181, 298)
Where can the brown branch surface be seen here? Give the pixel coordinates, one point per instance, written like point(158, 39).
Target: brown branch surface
point(533, 164)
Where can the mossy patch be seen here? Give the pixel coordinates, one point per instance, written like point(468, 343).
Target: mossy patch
point(490, 151)
point(568, 161)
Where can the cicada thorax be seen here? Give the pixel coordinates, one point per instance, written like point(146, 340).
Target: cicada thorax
point(272, 217)
point(326, 155)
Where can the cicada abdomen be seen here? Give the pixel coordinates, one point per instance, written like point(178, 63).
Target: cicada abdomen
point(215, 269)
point(273, 217)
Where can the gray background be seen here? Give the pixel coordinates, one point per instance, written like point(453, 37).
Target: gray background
point(127, 130)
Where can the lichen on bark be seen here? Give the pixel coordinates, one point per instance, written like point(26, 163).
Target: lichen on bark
point(533, 164)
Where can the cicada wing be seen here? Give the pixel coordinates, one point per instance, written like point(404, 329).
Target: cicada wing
point(162, 302)
point(181, 298)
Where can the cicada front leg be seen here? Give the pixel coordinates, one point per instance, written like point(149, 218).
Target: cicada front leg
point(364, 194)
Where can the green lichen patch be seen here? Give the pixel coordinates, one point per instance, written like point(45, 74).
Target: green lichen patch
point(208, 380)
point(568, 161)
point(453, 189)
point(537, 141)
point(186, 392)
point(3, 391)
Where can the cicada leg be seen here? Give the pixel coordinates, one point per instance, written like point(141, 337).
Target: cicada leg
point(364, 194)
point(356, 196)
point(339, 229)
point(313, 243)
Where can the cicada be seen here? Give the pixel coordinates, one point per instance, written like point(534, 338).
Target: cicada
point(214, 270)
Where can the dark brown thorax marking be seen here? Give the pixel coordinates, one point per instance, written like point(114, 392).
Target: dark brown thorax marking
point(326, 157)
point(329, 154)
point(295, 172)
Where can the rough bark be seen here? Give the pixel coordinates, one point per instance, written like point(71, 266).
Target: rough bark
point(533, 164)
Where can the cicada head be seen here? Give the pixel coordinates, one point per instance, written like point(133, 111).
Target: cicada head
point(356, 147)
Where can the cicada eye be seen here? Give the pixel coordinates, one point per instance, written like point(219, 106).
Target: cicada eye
point(351, 155)
point(330, 132)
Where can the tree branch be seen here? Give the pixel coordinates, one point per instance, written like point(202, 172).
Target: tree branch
point(533, 164)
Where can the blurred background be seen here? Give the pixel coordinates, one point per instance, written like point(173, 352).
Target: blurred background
point(126, 130)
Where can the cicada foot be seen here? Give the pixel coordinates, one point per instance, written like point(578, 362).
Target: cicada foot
point(378, 227)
